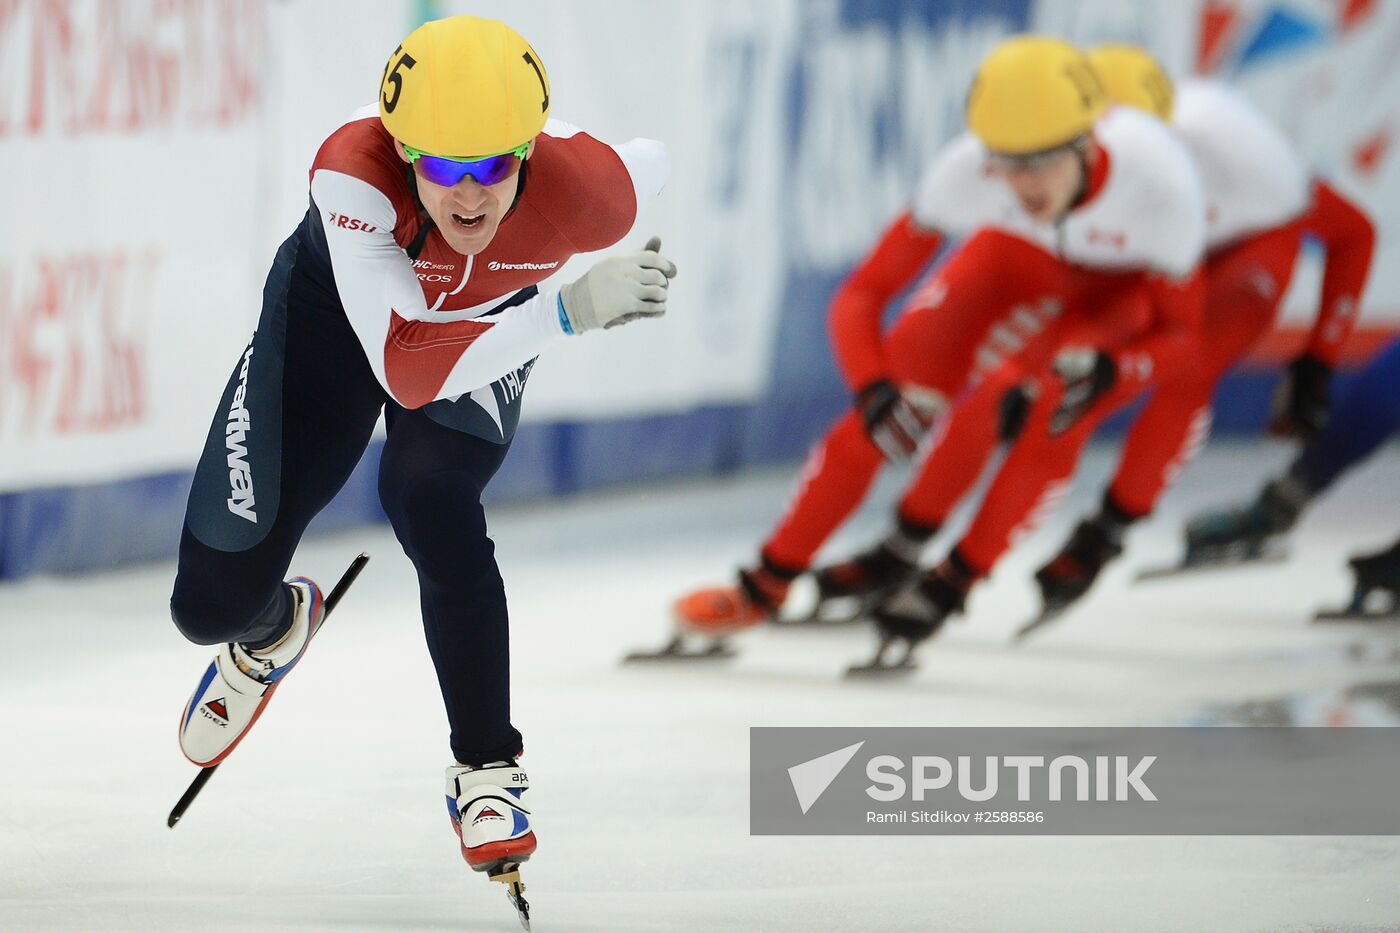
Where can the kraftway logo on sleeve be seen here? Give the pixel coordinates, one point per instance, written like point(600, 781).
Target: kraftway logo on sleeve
point(497, 266)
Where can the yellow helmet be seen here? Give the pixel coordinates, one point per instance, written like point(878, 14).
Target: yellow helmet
point(1033, 93)
point(464, 87)
point(1133, 77)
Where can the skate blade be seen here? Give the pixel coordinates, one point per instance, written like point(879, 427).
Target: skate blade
point(1034, 625)
point(677, 650)
point(1363, 609)
point(1369, 604)
point(1213, 562)
point(509, 875)
point(880, 667)
point(1367, 618)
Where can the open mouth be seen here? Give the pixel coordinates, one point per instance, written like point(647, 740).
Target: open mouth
point(470, 222)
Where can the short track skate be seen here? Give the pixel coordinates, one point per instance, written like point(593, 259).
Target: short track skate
point(1229, 557)
point(893, 658)
point(205, 773)
point(684, 646)
point(1047, 616)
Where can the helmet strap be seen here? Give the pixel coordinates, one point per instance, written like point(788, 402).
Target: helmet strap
point(1081, 152)
point(424, 218)
point(519, 188)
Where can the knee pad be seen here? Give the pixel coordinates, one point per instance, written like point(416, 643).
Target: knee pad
point(208, 620)
point(200, 625)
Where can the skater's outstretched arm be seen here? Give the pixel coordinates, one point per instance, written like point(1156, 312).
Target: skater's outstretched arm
point(859, 303)
point(1302, 402)
point(1349, 237)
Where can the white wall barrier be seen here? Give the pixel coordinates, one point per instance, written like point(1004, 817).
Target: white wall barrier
point(156, 153)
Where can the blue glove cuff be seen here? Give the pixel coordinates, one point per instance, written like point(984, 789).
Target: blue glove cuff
point(563, 318)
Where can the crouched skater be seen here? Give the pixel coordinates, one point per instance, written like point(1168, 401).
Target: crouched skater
point(412, 286)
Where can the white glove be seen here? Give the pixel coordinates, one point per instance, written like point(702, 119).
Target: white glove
point(619, 289)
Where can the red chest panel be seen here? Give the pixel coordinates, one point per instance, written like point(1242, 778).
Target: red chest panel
point(525, 251)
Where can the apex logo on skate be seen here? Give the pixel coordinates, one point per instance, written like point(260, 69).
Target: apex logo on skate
point(216, 711)
point(487, 814)
point(240, 474)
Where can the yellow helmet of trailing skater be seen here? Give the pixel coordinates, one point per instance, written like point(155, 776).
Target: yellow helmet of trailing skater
point(1033, 93)
point(464, 87)
point(1131, 76)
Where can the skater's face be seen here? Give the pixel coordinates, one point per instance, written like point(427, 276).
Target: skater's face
point(468, 213)
point(1046, 184)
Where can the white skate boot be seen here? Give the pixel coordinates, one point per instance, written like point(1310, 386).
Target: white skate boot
point(492, 824)
point(239, 682)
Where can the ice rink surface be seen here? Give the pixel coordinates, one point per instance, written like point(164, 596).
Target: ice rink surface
point(331, 816)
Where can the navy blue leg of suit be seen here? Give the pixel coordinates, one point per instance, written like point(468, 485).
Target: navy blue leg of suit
point(430, 482)
point(295, 418)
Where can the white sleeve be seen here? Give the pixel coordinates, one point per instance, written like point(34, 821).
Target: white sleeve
point(955, 196)
point(649, 164)
point(416, 359)
point(1177, 210)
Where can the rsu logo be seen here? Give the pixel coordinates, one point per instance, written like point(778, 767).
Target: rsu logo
point(350, 223)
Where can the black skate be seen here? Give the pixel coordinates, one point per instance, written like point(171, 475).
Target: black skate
point(1250, 535)
point(1072, 572)
point(846, 592)
point(912, 615)
point(1376, 596)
